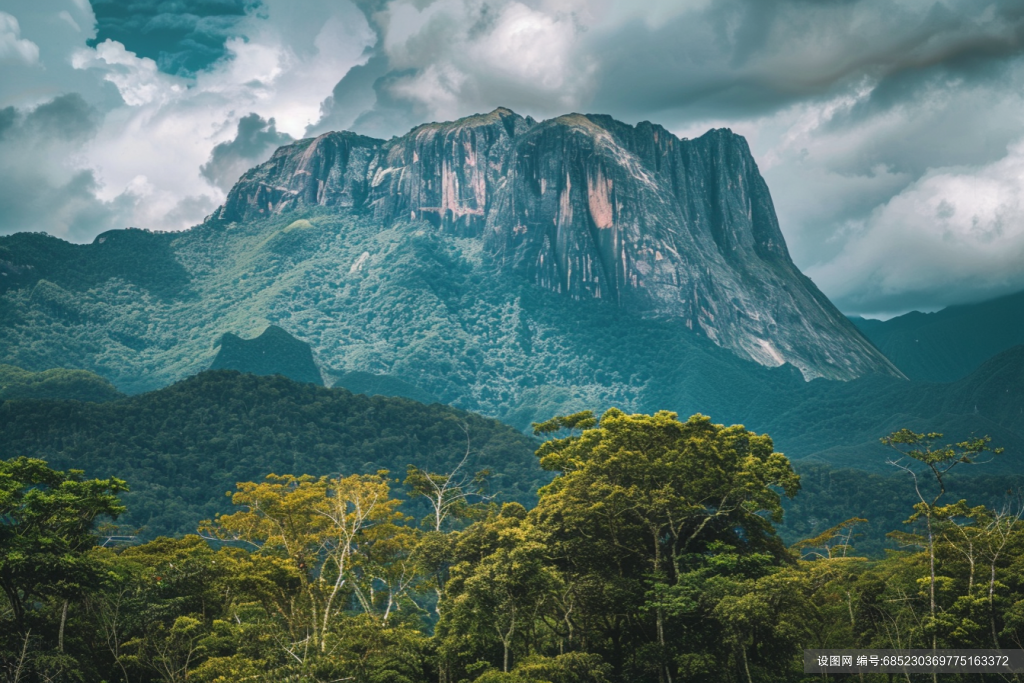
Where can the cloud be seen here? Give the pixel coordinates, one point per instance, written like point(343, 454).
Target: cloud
point(131, 133)
point(137, 79)
point(255, 141)
point(13, 48)
point(679, 62)
point(35, 189)
point(182, 37)
point(68, 117)
point(953, 236)
point(448, 58)
point(864, 115)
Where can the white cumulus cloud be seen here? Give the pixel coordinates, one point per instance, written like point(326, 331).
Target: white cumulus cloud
point(14, 48)
point(152, 132)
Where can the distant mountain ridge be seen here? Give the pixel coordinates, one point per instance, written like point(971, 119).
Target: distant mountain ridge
point(56, 383)
point(948, 344)
point(841, 423)
point(591, 208)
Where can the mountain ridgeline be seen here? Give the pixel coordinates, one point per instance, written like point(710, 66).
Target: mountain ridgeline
point(183, 446)
point(590, 208)
point(947, 345)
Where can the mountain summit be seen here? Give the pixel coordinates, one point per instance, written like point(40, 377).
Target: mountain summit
point(590, 208)
point(516, 268)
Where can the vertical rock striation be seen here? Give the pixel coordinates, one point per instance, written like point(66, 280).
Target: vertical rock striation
point(591, 208)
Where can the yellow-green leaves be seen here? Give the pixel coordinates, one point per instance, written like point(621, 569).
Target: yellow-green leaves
point(343, 537)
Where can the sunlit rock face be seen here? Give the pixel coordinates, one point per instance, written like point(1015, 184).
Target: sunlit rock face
point(591, 208)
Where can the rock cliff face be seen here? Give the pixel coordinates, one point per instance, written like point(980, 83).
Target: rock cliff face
point(591, 208)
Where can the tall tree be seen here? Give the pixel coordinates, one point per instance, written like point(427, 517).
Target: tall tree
point(342, 538)
point(637, 496)
point(46, 530)
point(938, 461)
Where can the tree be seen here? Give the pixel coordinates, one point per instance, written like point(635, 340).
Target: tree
point(46, 531)
point(340, 537)
point(938, 461)
point(637, 497)
point(501, 596)
point(449, 495)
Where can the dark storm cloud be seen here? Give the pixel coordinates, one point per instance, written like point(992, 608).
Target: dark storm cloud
point(68, 116)
point(760, 55)
point(255, 142)
point(729, 59)
point(181, 36)
point(32, 201)
point(356, 94)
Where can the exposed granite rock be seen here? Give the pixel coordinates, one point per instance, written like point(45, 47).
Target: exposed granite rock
point(591, 208)
point(326, 171)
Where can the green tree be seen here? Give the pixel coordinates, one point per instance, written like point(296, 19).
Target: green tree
point(938, 460)
point(502, 596)
point(46, 531)
point(341, 538)
point(637, 499)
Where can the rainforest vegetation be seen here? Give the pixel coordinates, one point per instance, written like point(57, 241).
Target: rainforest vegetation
point(651, 555)
point(181, 448)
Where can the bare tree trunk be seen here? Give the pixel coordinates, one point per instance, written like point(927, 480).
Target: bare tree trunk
point(992, 604)
point(63, 620)
point(664, 674)
point(746, 665)
point(931, 586)
point(21, 658)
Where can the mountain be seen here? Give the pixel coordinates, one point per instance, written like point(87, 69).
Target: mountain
point(57, 383)
point(274, 352)
point(593, 209)
point(180, 448)
point(947, 345)
point(840, 423)
point(509, 267)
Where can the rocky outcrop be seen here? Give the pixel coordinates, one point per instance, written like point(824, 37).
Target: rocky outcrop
point(326, 171)
point(591, 208)
point(275, 352)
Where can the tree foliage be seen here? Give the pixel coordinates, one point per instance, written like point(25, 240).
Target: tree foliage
point(182, 447)
point(652, 556)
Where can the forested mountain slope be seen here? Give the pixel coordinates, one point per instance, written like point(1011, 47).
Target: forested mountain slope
point(465, 259)
point(947, 345)
point(840, 423)
point(57, 383)
point(182, 447)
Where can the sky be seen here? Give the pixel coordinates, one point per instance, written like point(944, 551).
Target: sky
point(890, 132)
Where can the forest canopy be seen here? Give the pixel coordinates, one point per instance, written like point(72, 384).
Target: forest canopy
point(652, 555)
